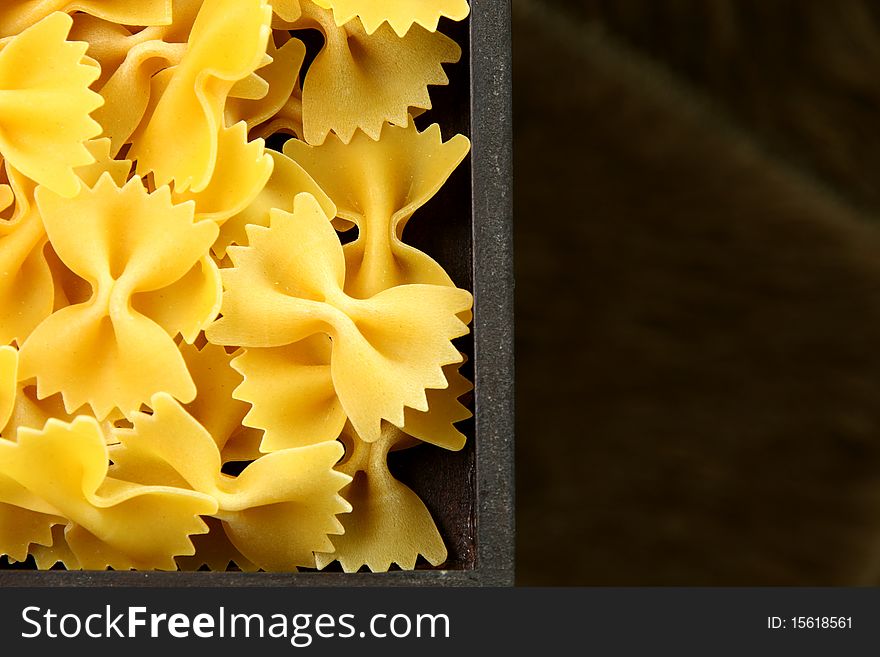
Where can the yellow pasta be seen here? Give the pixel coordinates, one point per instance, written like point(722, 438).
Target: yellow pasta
point(62, 470)
point(292, 275)
point(176, 304)
point(32, 413)
point(179, 142)
point(128, 90)
point(290, 390)
point(108, 43)
point(47, 554)
point(340, 93)
point(23, 530)
point(287, 11)
point(277, 512)
point(45, 105)
point(140, 254)
point(294, 401)
point(286, 181)
point(118, 169)
point(215, 551)
point(281, 77)
point(214, 406)
point(17, 15)
point(378, 185)
point(26, 288)
point(400, 14)
point(388, 523)
point(8, 383)
point(241, 173)
point(437, 424)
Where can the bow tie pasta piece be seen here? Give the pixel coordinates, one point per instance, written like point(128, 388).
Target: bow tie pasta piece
point(110, 522)
point(361, 80)
point(45, 104)
point(378, 185)
point(144, 259)
point(129, 60)
point(214, 407)
point(293, 399)
point(179, 142)
point(437, 424)
point(384, 355)
point(28, 293)
point(127, 92)
point(277, 512)
point(291, 392)
point(400, 14)
point(388, 522)
point(242, 170)
point(110, 43)
point(281, 77)
point(17, 15)
point(287, 180)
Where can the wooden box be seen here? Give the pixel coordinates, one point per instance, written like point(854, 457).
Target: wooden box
point(467, 227)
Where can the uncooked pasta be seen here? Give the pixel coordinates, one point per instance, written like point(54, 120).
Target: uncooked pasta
point(176, 297)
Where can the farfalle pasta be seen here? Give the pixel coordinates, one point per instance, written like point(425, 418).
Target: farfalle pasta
point(377, 186)
point(292, 276)
point(278, 512)
point(199, 367)
point(215, 407)
point(145, 261)
point(290, 392)
point(287, 179)
point(45, 105)
point(389, 524)
point(179, 140)
point(60, 473)
point(341, 90)
point(18, 15)
point(281, 79)
point(399, 14)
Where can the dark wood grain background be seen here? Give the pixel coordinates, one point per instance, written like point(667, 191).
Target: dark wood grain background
point(698, 292)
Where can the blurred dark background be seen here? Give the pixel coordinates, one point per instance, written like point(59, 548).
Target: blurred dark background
point(698, 291)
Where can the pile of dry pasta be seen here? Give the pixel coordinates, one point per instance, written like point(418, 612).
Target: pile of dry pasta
point(175, 297)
